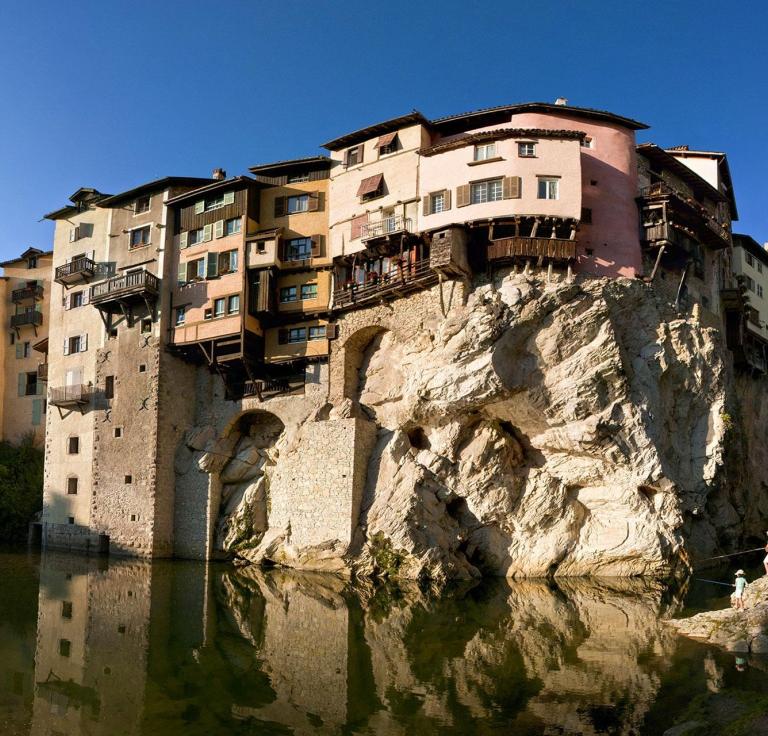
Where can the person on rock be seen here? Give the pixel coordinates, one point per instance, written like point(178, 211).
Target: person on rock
point(765, 560)
point(738, 596)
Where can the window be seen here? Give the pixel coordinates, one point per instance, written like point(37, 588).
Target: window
point(549, 188)
point(181, 315)
point(485, 191)
point(194, 237)
point(139, 237)
point(298, 249)
point(308, 291)
point(32, 262)
point(76, 344)
point(297, 334)
point(298, 203)
point(113, 333)
point(233, 226)
point(25, 348)
point(233, 304)
point(128, 480)
point(117, 432)
point(66, 609)
point(586, 215)
point(317, 333)
point(142, 368)
point(219, 307)
point(297, 178)
point(30, 383)
point(526, 150)
point(387, 144)
point(196, 269)
point(750, 259)
point(354, 156)
point(214, 204)
point(65, 646)
point(109, 387)
point(288, 294)
point(76, 299)
point(750, 284)
point(587, 142)
point(437, 202)
point(141, 205)
point(484, 151)
point(72, 486)
point(13, 338)
point(70, 520)
point(759, 290)
point(146, 326)
point(759, 267)
point(228, 262)
point(73, 445)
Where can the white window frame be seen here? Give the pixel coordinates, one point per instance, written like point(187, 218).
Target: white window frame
point(136, 210)
point(485, 151)
point(236, 299)
point(238, 222)
point(299, 198)
point(436, 203)
point(548, 187)
point(489, 190)
point(526, 149)
point(139, 229)
point(588, 142)
point(216, 302)
point(181, 315)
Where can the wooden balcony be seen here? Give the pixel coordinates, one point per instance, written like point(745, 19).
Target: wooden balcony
point(75, 272)
point(27, 317)
point(27, 293)
point(385, 228)
point(77, 395)
point(267, 388)
point(551, 249)
point(406, 278)
point(42, 371)
point(137, 286)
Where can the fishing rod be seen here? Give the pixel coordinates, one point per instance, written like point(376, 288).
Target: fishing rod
point(732, 554)
point(716, 582)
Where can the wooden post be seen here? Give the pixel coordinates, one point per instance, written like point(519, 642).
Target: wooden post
point(569, 275)
point(549, 272)
point(658, 262)
point(682, 283)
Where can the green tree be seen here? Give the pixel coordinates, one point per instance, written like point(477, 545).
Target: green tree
point(21, 488)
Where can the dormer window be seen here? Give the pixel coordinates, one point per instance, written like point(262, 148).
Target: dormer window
point(32, 262)
point(484, 151)
point(353, 156)
point(214, 202)
point(141, 205)
point(371, 187)
point(387, 144)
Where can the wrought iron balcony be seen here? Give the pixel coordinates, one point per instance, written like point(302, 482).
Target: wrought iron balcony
point(77, 270)
point(76, 395)
point(27, 293)
point(141, 284)
point(384, 227)
point(27, 317)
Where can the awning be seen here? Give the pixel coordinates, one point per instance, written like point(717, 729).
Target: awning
point(370, 185)
point(386, 140)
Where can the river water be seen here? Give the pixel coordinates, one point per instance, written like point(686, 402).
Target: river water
point(123, 647)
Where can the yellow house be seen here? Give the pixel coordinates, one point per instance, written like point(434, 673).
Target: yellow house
point(26, 285)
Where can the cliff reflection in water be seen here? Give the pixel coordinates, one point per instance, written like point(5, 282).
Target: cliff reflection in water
point(167, 648)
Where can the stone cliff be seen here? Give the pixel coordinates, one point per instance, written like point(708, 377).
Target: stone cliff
point(527, 426)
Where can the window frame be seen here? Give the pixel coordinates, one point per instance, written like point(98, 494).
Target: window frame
point(219, 301)
point(229, 299)
point(548, 183)
point(227, 231)
point(136, 210)
point(489, 151)
point(434, 198)
point(291, 242)
point(190, 241)
point(484, 185)
point(287, 289)
point(303, 197)
point(313, 287)
point(301, 335)
point(141, 229)
point(181, 312)
point(526, 149)
point(318, 335)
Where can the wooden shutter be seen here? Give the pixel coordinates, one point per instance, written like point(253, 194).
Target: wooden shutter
point(462, 195)
point(83, 342)
point(357, 225)
point(317, 245)
point(199, 206)
point(229, 198)
point(22, 384)
point(218, 229)
point(447, 199)
point(86, 296)
point(511, 187)
point(212, 267)
point(37, 412)
point(425, 208)
point(66, 346)
point(207, 232)
point(315, 203)
point(183, 241)
point(282, 336)
point(279, 206)
point(360, 153)
point(182, 274)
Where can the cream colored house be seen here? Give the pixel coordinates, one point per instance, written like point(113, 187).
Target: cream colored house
point(26, 298)
point(750, 265)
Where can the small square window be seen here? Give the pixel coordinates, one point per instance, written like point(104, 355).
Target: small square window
point(146, 326)
point(66, 609)
point(141, 205)
point(526, 150)
point(587, 142)
point(133, 517)
point(70, 520)
point(142, 368)
point(128, 479)
point(586, 215)
point(288, 294)
point(73, 445)
point(121, 629)
point(65, 647)
point(71, 488)
point(117, 432)
point(113, 333)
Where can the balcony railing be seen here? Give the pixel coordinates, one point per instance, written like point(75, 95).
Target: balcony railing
point(26, 293)
point(269, 387)
point(42, 371)
point(140, 283)
point(79, 269)
point(28, 317)
point(385, 226)
point(76, 395)
point(560, 249)
point(397, 282)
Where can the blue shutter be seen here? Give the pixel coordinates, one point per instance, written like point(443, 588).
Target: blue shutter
point(37, 412)
point(213, 266)
point(22, 384)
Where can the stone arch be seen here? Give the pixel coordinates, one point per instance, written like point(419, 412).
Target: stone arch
point(354, 349)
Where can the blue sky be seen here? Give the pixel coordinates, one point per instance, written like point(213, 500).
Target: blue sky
point(112, 94)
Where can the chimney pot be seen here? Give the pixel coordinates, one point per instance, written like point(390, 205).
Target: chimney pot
point(219, 174)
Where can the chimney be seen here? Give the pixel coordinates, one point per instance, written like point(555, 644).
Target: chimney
point(219, 174)
point(561, 101)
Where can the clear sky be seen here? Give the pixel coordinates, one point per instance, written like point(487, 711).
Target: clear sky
point(112, 94)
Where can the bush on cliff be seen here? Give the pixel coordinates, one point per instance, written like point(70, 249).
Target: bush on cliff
point(21, 488)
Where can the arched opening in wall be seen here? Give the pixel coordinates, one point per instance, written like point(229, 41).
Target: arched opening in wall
point(244, 478)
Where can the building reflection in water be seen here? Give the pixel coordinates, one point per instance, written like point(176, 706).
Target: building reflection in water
point(167, 648)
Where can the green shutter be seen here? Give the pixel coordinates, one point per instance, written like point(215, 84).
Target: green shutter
point(229, 198)
point(212, 269)
point(19, 349)
point(37, 412)
point(218, 229)
point(182, 273)
point(22, 384)
point(199, 206)
point(183, 240)
point(207, 232)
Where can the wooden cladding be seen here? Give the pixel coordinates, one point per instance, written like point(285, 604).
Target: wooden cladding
point(286, 180)
point(189, 219)
point(263, 292)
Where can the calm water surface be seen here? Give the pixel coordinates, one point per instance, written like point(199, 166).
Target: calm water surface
point(171, 648)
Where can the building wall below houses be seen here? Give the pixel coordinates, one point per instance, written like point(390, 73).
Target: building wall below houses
point(275, 352)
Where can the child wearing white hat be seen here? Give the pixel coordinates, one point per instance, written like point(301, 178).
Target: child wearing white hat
point(741, 584)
